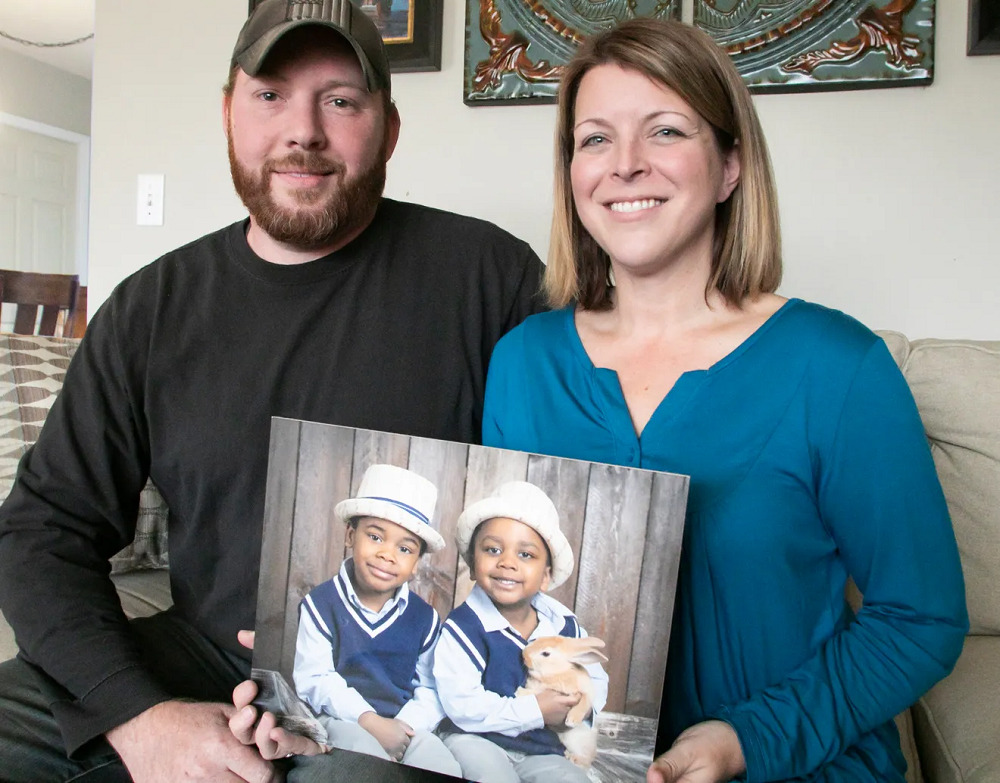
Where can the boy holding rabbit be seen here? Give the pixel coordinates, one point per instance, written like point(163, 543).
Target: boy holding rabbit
point(515, 551)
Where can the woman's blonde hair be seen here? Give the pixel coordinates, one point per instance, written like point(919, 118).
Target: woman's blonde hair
point(746, 256)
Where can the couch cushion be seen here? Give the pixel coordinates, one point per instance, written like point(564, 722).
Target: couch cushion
point(143, 593)
point(149, 547)
point(908, 744)
point(956, 384)
point(897, 343)
point(8, 647)
point(31, 373)
point(32, 369)
point(957, 722)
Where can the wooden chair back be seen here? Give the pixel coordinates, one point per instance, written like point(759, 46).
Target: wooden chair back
point(31, 290)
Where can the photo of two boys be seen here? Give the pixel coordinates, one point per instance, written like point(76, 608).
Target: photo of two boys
point(474, 612)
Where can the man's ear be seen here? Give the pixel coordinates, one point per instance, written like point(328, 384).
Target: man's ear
point(349, 536)
point(546, 578)
point(392, 123)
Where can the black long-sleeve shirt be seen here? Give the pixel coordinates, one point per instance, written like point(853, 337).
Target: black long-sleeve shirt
point(177, 378)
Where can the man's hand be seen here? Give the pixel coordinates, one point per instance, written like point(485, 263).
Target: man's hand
point(555, 706)
point(393, 735)
point(707, 752)
point(189, 741)
point(272, 742)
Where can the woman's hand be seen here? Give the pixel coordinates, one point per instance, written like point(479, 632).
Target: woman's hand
point(707, 752)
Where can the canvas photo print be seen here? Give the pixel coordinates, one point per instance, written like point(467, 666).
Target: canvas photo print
point(457, 608)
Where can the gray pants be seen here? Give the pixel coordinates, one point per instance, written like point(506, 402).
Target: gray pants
point(487, 762)
point(425, 750)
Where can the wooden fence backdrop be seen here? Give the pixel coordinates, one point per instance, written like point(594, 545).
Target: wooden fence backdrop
point(624, 525)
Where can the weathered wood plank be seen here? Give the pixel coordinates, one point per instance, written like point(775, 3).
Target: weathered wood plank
point(610, 566)
point(443, 463)
point(276, 541)
point(317, 540)
point(565, 482)
point(654, 614)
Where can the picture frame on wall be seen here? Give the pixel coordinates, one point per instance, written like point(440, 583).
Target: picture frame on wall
point(411, 31)
point(984, 27)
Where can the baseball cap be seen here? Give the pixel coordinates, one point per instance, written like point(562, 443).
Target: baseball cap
point(271, 19)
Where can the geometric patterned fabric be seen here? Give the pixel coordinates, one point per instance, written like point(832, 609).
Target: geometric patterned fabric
point(32, 369)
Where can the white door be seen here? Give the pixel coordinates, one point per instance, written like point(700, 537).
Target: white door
point(38, 197)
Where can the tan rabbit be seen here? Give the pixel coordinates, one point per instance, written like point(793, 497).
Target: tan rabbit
point(556, 663)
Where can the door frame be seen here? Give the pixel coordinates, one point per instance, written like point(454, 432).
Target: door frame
point(80, 261)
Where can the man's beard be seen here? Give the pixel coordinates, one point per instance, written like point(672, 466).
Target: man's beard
point(313, 225)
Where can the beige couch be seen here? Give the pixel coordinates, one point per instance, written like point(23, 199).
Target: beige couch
point(31, 373)
point(956, 384)
point(955, 727)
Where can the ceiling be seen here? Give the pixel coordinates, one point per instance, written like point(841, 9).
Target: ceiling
point(50, 21)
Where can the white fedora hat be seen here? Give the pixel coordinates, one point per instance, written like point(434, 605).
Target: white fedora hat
point(397, 495)
point(526, 503)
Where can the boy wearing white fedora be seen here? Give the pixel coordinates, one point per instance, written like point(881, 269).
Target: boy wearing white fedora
point(365, 644)
point(515, 551)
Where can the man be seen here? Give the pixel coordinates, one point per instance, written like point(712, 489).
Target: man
point(329, 304)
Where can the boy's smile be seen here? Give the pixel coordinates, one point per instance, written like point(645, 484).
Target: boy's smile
point(385, 557)
point(510, 563)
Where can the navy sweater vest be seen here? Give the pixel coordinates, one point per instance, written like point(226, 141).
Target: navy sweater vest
point(378, 660)
point(504, 673)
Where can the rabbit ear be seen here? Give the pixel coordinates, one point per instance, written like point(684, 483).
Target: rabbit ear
point(591, 656)
point(587, 650)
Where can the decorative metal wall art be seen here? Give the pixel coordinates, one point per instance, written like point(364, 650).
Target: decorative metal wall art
point(799, 45)
point(984, 27)
point(515, 49)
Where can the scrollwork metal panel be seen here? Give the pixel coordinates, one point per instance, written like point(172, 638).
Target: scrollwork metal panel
point(791, 45)
point(514, 49)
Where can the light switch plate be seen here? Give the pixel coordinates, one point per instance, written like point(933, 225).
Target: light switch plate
point(149, 206)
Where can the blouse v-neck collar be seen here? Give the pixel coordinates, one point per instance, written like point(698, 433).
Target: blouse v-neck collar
point(606, 380)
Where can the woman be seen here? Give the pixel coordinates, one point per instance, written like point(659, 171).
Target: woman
point(669, 350)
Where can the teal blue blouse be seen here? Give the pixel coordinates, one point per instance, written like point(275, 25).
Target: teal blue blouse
point(808, 463)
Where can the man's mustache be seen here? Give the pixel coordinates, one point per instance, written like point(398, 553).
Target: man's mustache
point(307, 163)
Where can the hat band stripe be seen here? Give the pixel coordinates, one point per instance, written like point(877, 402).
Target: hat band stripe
point(422, 517)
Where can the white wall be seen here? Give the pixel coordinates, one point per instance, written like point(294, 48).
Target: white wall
point(887, 196)
point(39, 92)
